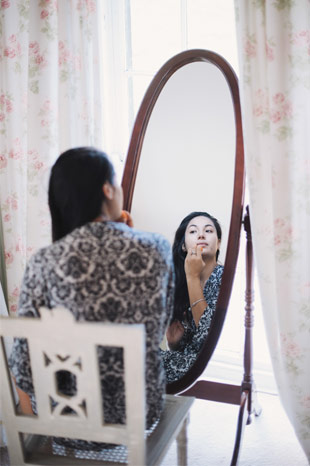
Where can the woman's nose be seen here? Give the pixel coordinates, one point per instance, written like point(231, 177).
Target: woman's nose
point(201, 235)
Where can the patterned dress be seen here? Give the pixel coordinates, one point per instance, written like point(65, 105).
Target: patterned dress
point(177, 363)
point(103, 272)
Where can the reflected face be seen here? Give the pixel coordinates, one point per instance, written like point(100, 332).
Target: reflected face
point(201, 232)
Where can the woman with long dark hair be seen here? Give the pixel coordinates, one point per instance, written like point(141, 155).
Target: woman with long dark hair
point(101, 270)
point(198, 277)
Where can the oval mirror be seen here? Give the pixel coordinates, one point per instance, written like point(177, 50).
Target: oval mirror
point(186, 154)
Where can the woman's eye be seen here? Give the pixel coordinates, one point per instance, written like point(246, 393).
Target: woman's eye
point(192, 231)
point(209, 231)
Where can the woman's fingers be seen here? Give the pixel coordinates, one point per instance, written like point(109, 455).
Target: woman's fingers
point(192, 251)
point(129, 220)
point(193, 261)
point(125, 218)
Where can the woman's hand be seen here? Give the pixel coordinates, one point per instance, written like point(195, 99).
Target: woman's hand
point(193, 263)
point(193, 267)
point(174, 334)
point(24, 401)
point(125, 218)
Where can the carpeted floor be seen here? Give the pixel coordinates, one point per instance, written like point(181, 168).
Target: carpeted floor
point(268, 441)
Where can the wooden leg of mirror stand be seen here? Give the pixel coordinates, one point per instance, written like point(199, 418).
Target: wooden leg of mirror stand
point(248, 402)
point(242, 418)
point(248, 382)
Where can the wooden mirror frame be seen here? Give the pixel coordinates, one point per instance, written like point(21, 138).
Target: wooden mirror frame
point(130, 174)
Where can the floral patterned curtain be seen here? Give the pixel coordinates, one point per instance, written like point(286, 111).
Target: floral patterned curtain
point(49, 101)
point(274, 52)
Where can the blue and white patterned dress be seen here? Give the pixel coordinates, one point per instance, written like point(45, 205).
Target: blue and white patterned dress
point(104, 271)
point(178, 362)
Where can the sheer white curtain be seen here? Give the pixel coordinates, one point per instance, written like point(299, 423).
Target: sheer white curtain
point(274, 52)
point(49, 101)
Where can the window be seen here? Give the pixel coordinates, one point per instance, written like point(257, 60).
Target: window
point(139, 36)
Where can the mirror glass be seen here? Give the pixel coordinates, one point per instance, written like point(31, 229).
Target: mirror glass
point(188, 153)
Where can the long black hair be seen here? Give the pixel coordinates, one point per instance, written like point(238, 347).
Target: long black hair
point(75, 192)
point(181, 298)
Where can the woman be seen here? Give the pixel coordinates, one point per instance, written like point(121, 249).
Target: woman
point(101, 270)
point(198, 278)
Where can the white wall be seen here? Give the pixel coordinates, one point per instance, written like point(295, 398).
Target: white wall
point(187, 160)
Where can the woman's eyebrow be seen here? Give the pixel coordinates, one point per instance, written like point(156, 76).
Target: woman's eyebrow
point(207, 225)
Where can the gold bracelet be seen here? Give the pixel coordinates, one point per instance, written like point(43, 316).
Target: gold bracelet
point(196, 302)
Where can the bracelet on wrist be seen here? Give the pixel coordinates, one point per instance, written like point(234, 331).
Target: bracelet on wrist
point(196, 302)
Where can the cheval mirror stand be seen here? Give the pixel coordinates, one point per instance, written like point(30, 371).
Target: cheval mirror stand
point(159, 127)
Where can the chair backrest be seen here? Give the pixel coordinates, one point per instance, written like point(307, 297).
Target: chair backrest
point(58, 343)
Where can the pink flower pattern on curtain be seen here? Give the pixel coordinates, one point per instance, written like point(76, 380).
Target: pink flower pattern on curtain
point(49, 101)
point(274, 53)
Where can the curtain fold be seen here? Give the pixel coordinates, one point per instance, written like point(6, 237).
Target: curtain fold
point(3, 280)
point(274, 56)
point(50, 100)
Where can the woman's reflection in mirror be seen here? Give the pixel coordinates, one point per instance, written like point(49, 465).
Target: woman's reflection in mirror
point(198, 277)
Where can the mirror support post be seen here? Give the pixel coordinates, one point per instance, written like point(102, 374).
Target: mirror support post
point(248, 401)
point(248, 384)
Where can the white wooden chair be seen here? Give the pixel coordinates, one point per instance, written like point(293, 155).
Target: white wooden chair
point(58, 335)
